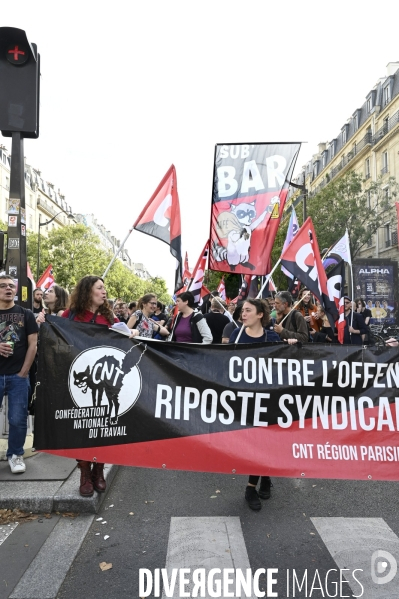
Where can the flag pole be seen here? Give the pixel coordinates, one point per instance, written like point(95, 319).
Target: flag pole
point(267, 279)
point(120, 248)
point(294, 306)
point(224, 309)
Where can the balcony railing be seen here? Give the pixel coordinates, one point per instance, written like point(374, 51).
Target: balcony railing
point(50, 210)
point(394, 237)
point(387, 126)
point(388, 243)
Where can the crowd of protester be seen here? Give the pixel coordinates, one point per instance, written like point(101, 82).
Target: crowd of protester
point(273, 320)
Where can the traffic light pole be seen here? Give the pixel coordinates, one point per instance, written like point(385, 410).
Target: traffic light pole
point(19, 119)
point(16, 234)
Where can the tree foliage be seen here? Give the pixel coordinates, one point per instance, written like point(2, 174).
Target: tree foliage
point(75, 251)
point(232, 282)
point(352, 203)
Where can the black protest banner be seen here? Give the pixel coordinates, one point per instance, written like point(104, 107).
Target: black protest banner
point(316, 411)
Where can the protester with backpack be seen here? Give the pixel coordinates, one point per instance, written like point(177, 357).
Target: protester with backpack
point(293, 326)
point(190, 325)
point(142, 321)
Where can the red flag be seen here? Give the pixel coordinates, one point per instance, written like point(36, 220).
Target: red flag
point(341, 321)
point(336, 282)
point(161, 219)
point(335, 286)
point(222, 289)
point(30, 275)
point(245, 287)
point(197, 277)
point(46, 280)
point(302, 259)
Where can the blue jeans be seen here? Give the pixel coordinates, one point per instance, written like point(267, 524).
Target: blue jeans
point(17, 389)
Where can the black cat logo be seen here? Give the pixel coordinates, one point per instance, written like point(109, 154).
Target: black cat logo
point(106, 376)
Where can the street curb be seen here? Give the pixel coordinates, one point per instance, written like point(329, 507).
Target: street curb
point(57, 496)
point(68, 499)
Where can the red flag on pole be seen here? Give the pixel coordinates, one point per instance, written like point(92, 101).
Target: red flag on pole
point(302, 259)
point(341, 320)
point(46, 280)
point(30, 275)
point(335, 286)
point(197, 277)
point(222, 289)
point(161, 219)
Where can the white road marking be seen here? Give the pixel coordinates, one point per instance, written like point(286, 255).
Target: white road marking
point(208, 543)
point(48, 569)
point(6, 530)
point(367, 544)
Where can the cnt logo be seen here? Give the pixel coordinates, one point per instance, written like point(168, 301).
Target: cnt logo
point(106, 376)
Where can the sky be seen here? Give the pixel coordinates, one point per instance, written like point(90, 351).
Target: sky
point(129, 88)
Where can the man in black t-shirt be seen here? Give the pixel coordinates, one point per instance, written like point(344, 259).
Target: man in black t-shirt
point(38, 301)
point(18, 343)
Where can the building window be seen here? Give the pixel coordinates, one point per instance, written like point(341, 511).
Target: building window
point(332, 149)
point(356, 122)
point(385, 125)
point(386, 194)
point(370, 241)
point(30, 222)
point(369, 205)
point(367, 171)
point(384, 169)
point(387, 235)
point(344, 132)
point(7, 183)
point(369, 105)
point(387, 95)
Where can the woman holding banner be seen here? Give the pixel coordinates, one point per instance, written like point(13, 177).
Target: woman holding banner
point(89, 304)
point(258, 328)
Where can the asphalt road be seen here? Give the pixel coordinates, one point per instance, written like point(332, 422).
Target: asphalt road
point(282, 535)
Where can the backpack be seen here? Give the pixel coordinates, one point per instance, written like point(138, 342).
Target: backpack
point(138, 320)
point(293, 320)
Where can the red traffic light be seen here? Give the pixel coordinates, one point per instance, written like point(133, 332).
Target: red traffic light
point(17, 54)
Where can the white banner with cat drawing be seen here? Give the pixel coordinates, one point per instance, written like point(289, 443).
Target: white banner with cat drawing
point(250, 187)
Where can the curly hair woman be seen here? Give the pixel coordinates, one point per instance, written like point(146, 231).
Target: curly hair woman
point(89, 304)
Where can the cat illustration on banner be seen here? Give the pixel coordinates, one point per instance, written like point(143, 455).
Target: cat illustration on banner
point(237, 225)
point(107, 376)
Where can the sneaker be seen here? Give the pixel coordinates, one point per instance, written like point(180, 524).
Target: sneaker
point(17, 464)
point(252, 498)
point(264, 489)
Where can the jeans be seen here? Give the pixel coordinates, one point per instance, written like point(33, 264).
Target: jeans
point(17, 389)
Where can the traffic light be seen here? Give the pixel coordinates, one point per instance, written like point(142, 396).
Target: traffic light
point(19, 84)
